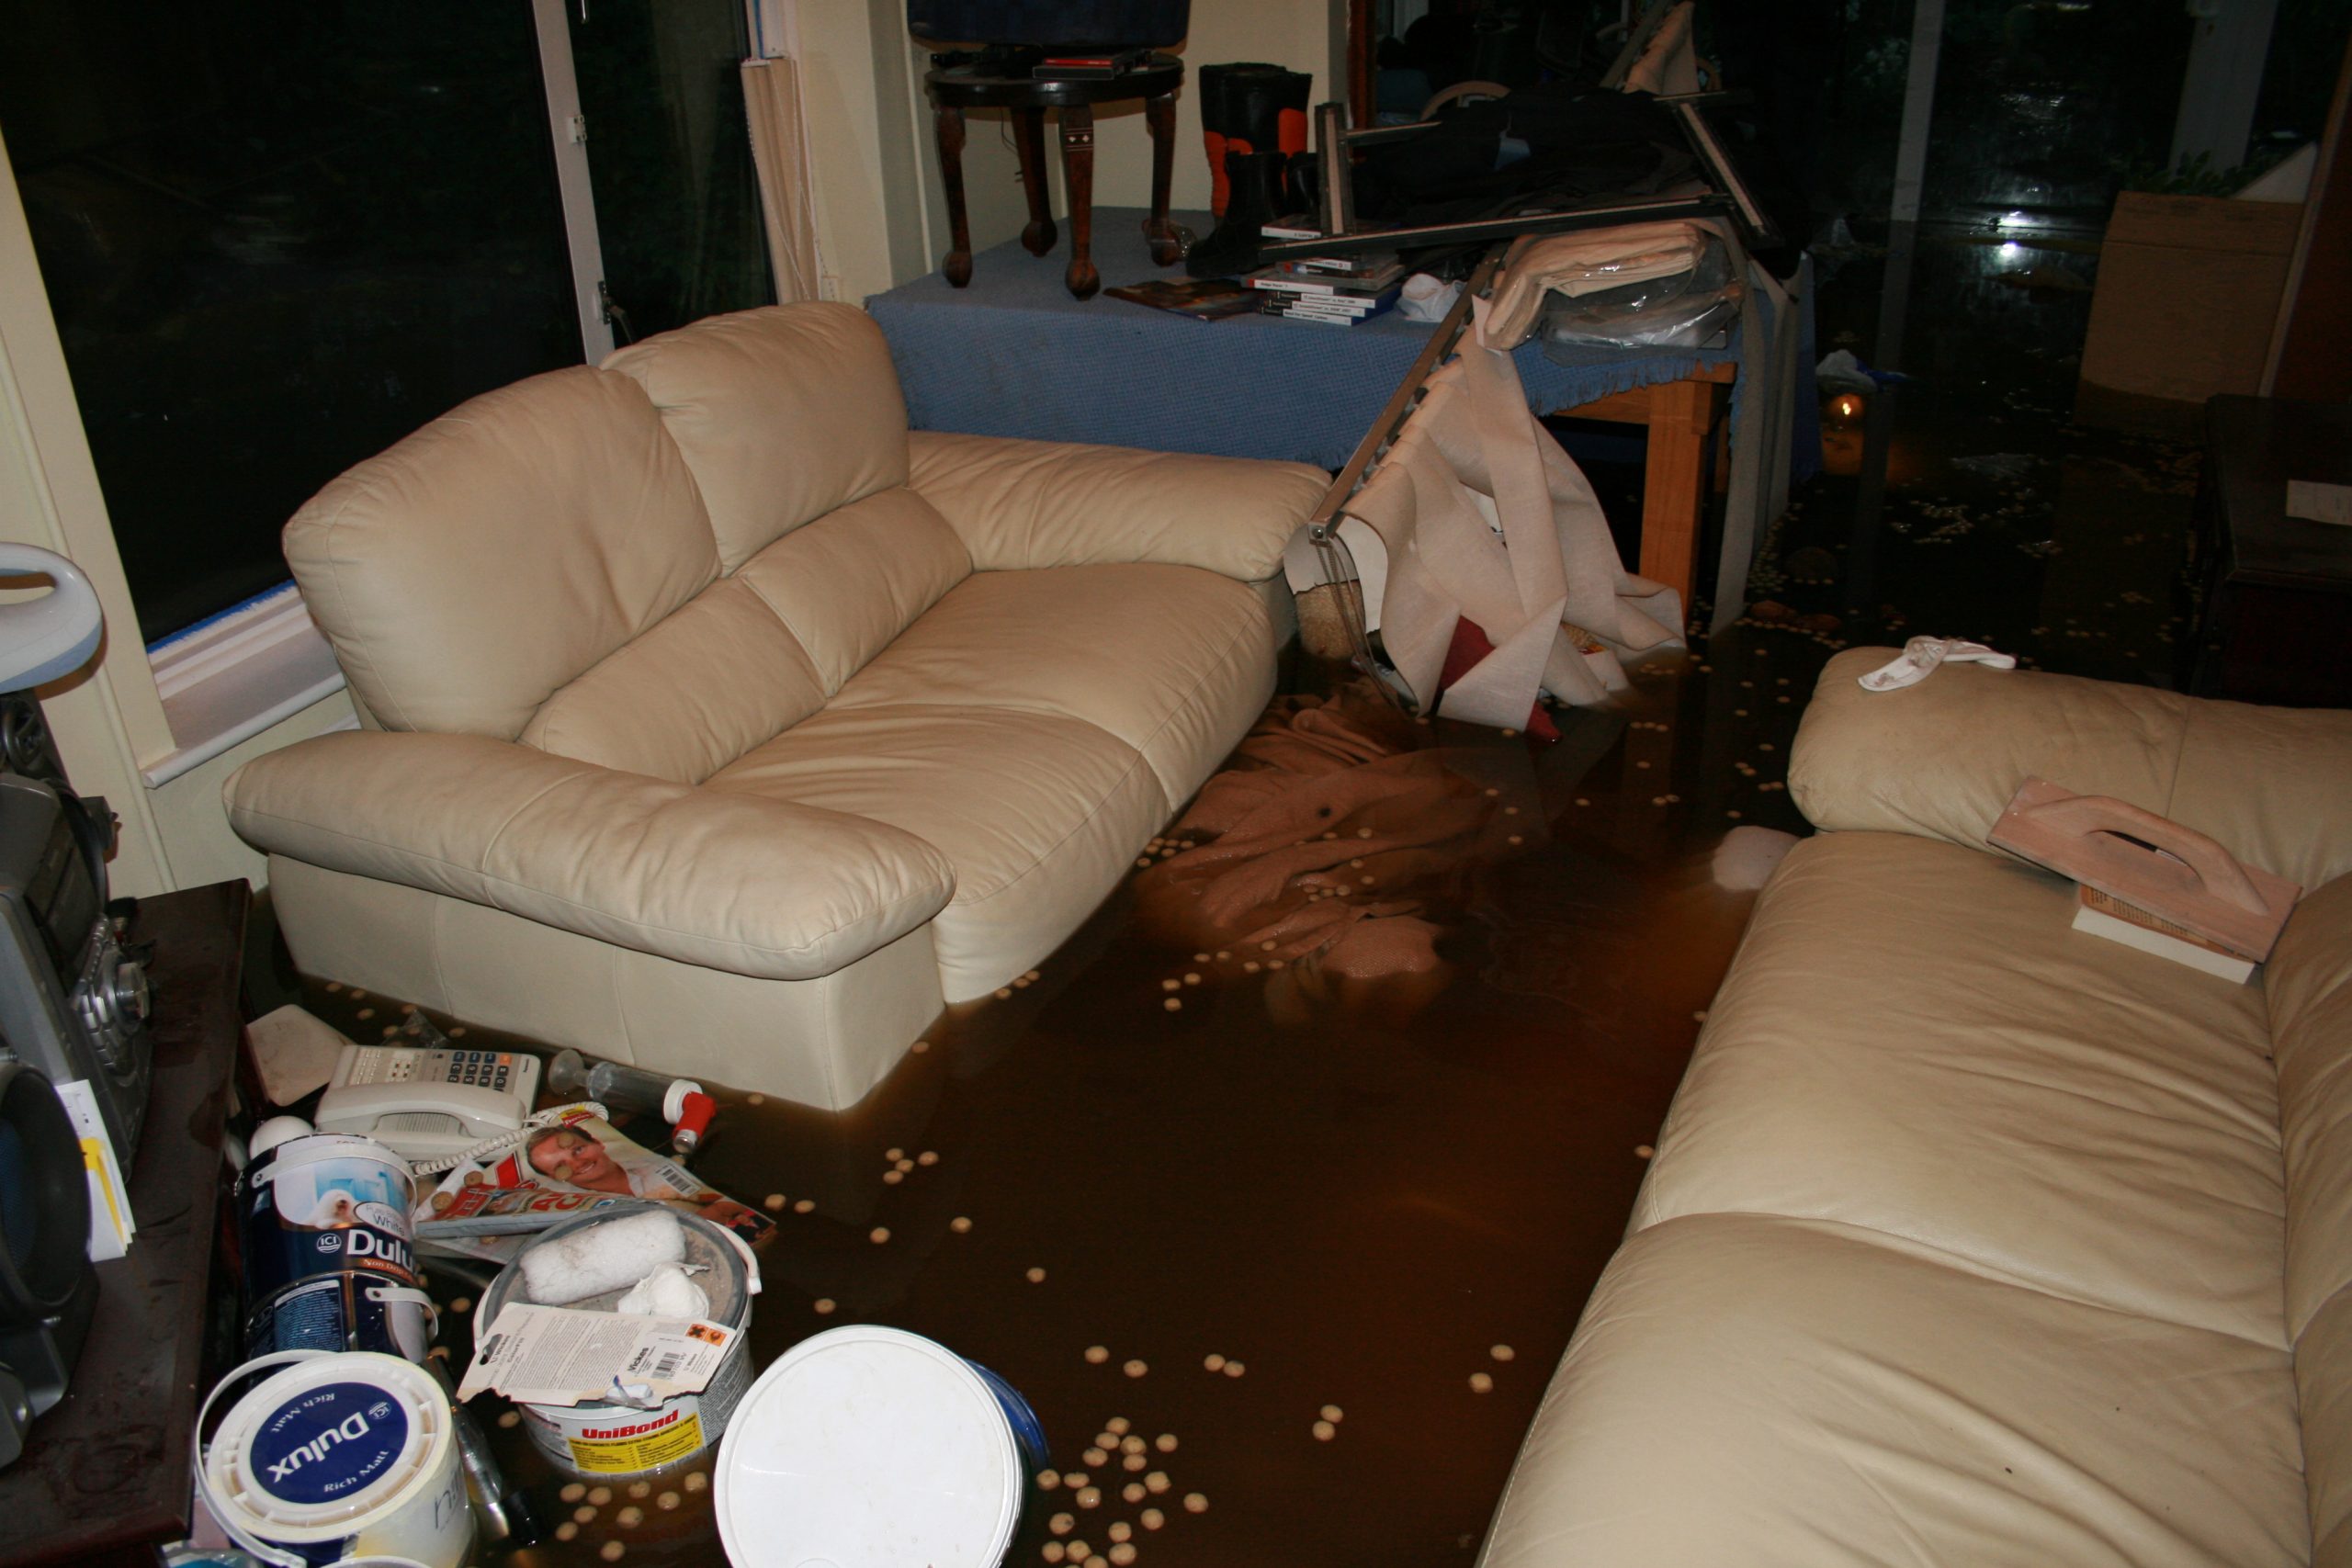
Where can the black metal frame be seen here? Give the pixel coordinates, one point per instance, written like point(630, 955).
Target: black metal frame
point(1728, 194)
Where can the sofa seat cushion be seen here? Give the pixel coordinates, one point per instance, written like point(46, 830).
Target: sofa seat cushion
point(1746, 1390)
point(1038, 813)
point(1913, 1040)
point(1173, 661)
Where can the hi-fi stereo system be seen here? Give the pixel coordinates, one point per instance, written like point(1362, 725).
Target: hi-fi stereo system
point(73, 1004)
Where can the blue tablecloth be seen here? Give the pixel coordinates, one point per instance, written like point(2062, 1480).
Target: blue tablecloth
point(1014, 354)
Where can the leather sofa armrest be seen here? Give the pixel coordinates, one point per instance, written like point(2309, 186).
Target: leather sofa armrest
point(1943, 758)
point(725, 881)
point(1021, 504)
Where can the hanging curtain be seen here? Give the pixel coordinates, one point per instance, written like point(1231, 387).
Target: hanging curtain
point(1476, 514)
point(780, 152)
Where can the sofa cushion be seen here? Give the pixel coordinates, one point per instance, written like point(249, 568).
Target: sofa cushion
point(784, 414)
point(1039, 812)
point(1943, 758)
point(1912, 1040)
point(850, 583)
point(1174, 661)
point(481, 565)
point(1025, 504)
point(690, 695)
point(1751, 1390)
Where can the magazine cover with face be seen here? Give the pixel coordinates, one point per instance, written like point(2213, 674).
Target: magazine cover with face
point(578, 1165)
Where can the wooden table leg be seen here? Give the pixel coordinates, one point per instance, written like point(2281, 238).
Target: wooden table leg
point(1159, 115)
point(1029, 137)
point(1077, 173)
point(1680, 424)
point(950, 120)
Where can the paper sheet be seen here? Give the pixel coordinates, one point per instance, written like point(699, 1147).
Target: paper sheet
point(543, 1355)
point(2320, 503)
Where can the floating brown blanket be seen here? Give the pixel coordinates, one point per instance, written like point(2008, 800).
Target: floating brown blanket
point(1312, 850)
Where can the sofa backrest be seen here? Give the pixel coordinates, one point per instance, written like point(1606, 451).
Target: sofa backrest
point(1943, 758)
point(2308, 986)
point(790, 420)
point(784, 414)
point(486, 561)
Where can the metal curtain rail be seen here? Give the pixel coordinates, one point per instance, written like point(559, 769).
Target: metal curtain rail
point(1323, 523)
point(1402, 401)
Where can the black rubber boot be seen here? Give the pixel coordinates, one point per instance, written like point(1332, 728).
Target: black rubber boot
point(1248, 107)
point(1255, 181)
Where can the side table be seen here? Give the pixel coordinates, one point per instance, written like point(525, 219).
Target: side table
point(956, 88)
point(104, 1478)
point(2277, 589)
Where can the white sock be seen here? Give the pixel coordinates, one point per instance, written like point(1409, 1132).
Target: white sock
point(1922, 654)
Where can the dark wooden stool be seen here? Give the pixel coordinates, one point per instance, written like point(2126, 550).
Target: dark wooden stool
point(2277, 589)
point(958, 88)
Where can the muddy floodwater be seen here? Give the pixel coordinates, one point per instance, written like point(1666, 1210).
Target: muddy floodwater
point(1327, 1222)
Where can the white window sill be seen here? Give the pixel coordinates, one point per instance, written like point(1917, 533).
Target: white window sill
point(231, 678)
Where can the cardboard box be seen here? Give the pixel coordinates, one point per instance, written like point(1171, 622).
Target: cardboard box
point(2189, 290)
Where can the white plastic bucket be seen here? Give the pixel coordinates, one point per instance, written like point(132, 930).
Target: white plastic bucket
point(611, 1440)
point(337, 1458)
point(874, 1448)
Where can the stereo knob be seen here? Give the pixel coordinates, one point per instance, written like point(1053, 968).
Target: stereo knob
point(133, 994)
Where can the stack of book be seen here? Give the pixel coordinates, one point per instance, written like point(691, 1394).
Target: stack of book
point(1340, 290)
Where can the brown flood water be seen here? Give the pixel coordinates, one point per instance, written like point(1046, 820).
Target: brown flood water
point(1355, 1186)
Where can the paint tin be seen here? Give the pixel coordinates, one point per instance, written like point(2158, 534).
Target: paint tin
point(879, 1448)
point(329, 1249)
point(344, 1311)
point(335, 1457)
point(621, 1440)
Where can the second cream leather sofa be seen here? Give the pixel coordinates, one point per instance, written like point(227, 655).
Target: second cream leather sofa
point(719, 724)
point(1971, 1238)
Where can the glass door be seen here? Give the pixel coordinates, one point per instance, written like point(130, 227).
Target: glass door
point(677, 200)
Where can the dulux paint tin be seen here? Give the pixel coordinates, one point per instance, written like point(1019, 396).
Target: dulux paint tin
point(330, 1260)
point(333, 1458)
point(879, 1448)
point(610, 1440)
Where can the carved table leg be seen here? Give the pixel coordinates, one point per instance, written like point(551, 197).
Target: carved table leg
point(959, 264)
point(1159, 115)
point(1077, 171)
point(1029, 137)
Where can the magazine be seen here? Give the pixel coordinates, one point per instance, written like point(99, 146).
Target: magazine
point(1203, 298)
point(580, 1164)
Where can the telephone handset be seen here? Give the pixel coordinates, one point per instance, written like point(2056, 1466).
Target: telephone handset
point(429, 1104)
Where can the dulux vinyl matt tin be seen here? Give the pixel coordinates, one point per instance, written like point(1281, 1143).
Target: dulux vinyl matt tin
point(337, 1458)
point(873, 1448)
point(621, 1440)
point(330, 1258)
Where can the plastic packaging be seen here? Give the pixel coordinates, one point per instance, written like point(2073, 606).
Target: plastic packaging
point(1681, 310)
point(634, 1088)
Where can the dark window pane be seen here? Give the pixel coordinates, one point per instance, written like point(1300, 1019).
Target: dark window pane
point(677, 202)
point(278, 237)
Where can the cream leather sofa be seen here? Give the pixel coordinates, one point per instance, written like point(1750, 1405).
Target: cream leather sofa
point(1972, 1239)
point(718, 724)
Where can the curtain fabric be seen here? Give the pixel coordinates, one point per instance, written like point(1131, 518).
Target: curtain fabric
point(780, 154)
point(1475, 513)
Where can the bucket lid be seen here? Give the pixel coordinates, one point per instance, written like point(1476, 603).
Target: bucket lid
point(314, 1449)
point(868, 1448)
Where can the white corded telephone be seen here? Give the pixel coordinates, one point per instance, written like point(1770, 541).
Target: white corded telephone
point(427, 1105)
